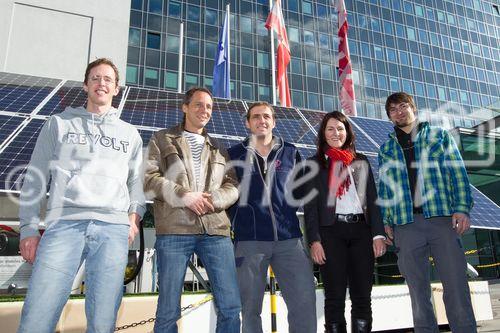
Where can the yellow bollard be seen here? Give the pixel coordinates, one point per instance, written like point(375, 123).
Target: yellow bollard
point(272, 285)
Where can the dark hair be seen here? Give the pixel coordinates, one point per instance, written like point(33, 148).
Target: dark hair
point(322, 145)
point(266, 104)
point(397, 98)
point(101, 61)
point(189, 94)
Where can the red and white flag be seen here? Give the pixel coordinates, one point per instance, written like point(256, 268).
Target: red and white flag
point(346, 92)
point(276, 22)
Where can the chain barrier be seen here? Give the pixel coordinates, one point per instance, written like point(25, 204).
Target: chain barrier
point(278, 293)
point(191, 307)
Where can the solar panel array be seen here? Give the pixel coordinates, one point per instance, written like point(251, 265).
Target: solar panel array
point(26, 102)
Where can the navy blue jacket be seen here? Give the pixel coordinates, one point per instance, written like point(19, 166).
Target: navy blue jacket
point(255, 220)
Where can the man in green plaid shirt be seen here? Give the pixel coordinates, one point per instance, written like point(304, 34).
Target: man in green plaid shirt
point(425, 199)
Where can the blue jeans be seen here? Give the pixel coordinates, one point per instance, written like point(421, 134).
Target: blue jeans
point(216, 253)
point(61, 251)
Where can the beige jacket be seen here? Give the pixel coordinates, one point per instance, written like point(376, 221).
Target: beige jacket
point(169, 175)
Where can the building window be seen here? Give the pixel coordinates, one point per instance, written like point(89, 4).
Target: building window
point(136, 4)
point(411, 33)
point(131, 74)
point(394, 84)
point(262, 60)
point(172, 44)
point(191, 81)
point(382, 81)
point(326, 72)
point(298, 98)
point(311, 68)
point(308, 37)
point(134, 37)
point(261, 28)
point(153, 41)
point(211, 17)
point(208, 82)
point(247, 91)
point(296, 66)
point(323, 40)
point(313, 101)
point(292, 5)
point(193, 13)
point(171, 80)
point(174, 9)
point(415, 60)
point(293, 35)
point(264, 93)
point(306, 7)
point(247, 57)
point(210, 50)
point(328, 103)
point(407, 87)
point(193, 47)
point(151, 77)
point(155, 6)
point(246, 24)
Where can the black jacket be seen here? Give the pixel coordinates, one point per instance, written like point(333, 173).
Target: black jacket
point(317, 212)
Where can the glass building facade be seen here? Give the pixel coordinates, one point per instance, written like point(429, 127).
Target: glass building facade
point(445, 53)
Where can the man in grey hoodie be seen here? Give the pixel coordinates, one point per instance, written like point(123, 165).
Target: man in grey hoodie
point(93, 161)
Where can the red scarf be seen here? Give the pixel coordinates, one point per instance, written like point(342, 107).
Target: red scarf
point(341, 181)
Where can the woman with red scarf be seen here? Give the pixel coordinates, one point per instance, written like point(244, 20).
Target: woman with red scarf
point(343, 224)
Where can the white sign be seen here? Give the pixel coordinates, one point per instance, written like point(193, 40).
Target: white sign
point(13, 269)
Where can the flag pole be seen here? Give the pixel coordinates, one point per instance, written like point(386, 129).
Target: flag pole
point(181, 48)
point(273, 64)
point(229, 43)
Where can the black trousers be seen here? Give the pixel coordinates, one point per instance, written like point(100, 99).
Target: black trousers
point(349, 261)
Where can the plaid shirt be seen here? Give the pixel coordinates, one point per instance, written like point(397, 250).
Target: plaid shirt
point(441, 175)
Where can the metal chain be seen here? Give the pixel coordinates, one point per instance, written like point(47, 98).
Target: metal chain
point(152, 319)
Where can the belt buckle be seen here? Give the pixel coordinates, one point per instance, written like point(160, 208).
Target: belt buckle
point(349, 218)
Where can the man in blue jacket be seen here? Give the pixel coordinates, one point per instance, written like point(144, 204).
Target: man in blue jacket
point(266, 228)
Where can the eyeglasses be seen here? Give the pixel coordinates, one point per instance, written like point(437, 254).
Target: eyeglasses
point(97, 79)
point(398, 108)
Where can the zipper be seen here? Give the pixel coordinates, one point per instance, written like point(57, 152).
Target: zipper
point(268, 192)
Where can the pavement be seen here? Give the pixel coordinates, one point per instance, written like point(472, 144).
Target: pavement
point(492, 325)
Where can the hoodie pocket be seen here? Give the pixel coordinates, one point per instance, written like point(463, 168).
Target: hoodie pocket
point(92, 191)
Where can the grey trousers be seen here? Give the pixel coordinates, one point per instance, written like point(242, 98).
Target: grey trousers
point(435, 237)
point(293, 271)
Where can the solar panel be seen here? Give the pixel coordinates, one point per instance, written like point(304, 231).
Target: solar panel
point(377, 129)
point(23, 93)
point(163, 109)
point(485, 213)
point(70, 94)
point(16, 156)
point(290, 125)
point(306, 153)
point(145, 136)
point(8, 125)
point(228, 118)
point(152, 108)
point(373, 160)
point(363, 143)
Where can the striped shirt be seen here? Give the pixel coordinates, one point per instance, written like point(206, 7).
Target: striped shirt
point(441, 176)
point(195, 142)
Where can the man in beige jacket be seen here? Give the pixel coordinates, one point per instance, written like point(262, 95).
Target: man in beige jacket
point(187, 177)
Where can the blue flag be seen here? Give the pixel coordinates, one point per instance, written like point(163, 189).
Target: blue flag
point(222, 69)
